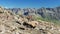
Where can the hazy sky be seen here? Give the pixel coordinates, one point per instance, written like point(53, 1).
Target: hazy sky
point(29, 3)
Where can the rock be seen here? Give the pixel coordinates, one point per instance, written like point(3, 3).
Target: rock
point(31, 24)
point(1, 10)
point(2, 29)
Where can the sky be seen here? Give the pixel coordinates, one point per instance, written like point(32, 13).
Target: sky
point(29, 3)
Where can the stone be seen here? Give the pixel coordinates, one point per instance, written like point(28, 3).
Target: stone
point(31, 24)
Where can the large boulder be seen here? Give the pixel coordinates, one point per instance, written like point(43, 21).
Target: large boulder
point(31, 24)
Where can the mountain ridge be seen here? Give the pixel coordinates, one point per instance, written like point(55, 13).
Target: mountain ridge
point(28, 23)
point(45, 13)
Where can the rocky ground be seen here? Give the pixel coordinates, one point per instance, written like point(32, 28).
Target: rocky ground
point(15, 24)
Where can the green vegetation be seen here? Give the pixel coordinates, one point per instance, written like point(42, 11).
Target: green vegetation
point(48, 19)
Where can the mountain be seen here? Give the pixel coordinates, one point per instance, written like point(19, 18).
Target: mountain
point(25, 21)
point(47, 14)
